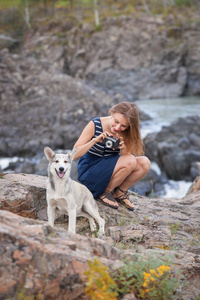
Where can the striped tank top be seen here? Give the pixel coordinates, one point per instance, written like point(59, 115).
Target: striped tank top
point(99, 149)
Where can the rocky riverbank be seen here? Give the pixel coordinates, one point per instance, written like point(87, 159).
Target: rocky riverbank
point(40, 260)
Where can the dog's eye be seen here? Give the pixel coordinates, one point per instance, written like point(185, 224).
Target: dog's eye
point(57, 161)
point(65, 161)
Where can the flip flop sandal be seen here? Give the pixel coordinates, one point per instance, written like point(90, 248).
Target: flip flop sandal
point(110, 197)
point(123, 197)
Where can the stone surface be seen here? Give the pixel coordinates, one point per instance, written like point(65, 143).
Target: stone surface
point(45, 109)
point(51, 262)
point(137, 57)
point(176, 148)
point(23, 194)
point(195, 187)
point(42, 261)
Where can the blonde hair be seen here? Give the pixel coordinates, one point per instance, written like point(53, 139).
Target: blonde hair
point(132, 136)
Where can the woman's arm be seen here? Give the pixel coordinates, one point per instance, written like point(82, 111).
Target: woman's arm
point(85, 141)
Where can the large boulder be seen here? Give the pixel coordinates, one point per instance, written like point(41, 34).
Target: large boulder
point(37, 260)
point(176, 148)
point(23, 194)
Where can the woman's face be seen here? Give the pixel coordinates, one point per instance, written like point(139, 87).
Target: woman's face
point(118, 123)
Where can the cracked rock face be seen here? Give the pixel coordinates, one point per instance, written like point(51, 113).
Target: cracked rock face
point(51, 262)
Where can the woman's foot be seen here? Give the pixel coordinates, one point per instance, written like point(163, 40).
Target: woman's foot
point(122, 197)
point(107, 199)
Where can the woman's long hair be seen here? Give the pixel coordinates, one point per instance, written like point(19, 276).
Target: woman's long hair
point(132, 136)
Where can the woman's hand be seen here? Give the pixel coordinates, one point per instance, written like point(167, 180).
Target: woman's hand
point(101, 137)
point(122, 146)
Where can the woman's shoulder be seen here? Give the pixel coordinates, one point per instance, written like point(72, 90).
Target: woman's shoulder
point(104, 119)
point(96, 120)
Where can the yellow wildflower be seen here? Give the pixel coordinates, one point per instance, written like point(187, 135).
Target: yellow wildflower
point(144, 284)
point(160, 271)
point(152, 279)
point(146, 274)
point(165, 268)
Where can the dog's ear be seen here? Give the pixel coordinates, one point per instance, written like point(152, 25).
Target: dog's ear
point(49, 153)
point(72, 153)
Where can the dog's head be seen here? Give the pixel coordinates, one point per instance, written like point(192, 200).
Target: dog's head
point(59, 163)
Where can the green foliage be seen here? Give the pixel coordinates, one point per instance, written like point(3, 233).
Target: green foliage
point(99, 284)
point(194, 241)
point(107, 8)
point(185, 2)
point(152, 193)
point(21, 16)
point(173, 229)
point(147, 279)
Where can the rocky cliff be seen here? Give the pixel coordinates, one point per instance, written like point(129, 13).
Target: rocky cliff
point(39, 260)
point(138, 56)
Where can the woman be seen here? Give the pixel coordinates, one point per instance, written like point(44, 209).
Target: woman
point(109, 173)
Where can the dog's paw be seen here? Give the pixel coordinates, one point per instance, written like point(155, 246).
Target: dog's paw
point(93, 227)
point(101, 234)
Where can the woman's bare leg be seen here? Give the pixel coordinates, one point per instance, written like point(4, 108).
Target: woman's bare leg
point(128, 170)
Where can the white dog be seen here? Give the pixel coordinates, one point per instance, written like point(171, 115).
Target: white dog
point(68, 195)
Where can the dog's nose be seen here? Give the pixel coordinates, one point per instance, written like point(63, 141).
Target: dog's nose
point(61, 169)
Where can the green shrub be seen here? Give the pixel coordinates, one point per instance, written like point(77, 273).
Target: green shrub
point(147, 279)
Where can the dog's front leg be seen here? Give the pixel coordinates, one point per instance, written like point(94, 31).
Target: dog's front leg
point(51, 212)
point(72, 220)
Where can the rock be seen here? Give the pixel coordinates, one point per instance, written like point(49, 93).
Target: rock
point(23, 194)
point(122, 59)
point(195, 187)
point(53, 106)
point(195, 169)
point(38, 259)
point(44, 103)
point(132, 56)
point(176, 148)
point(7, 41)
point(152, 183)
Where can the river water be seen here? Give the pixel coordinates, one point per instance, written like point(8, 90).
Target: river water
point(163, 112)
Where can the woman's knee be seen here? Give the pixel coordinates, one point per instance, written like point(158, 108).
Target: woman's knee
point(130, 163)
point(144, 163)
